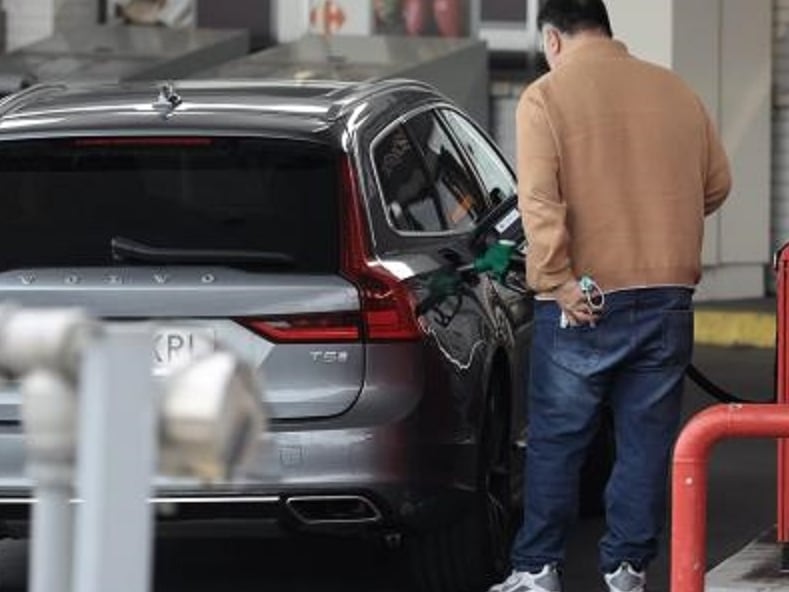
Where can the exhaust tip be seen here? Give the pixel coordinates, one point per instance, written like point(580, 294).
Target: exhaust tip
point(313, 510)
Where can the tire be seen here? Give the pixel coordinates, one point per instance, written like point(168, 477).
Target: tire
point(467, 554)
point(597, 469)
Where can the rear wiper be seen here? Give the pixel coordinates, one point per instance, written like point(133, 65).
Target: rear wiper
point(124, 249)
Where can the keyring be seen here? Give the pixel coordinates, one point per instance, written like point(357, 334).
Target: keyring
point(595, 297)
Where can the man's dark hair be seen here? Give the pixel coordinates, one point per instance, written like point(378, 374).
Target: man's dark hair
point(573, 16)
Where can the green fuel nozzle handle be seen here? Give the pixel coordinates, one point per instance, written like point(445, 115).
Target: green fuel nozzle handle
point(496, 259)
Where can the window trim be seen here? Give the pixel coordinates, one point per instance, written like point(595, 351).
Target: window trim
point(401, 120)
point(485, 136)
point(469, 162)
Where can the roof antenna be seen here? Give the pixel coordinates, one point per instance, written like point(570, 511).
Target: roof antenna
point(168, 99)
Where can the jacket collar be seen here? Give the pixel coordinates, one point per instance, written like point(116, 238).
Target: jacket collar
point(594, 48)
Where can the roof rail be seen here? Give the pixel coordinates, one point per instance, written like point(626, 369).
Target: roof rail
point(18, 98)
point(370, 88)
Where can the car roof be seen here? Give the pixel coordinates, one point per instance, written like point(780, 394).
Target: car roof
point(198, 105)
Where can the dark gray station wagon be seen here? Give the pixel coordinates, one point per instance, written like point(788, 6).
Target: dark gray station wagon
point(328, 234)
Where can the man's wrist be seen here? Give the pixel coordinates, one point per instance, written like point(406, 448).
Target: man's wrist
point(564, 284)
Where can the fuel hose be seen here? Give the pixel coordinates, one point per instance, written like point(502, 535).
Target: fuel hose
point(715, 391)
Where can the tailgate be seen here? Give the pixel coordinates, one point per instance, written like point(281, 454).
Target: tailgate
point(196, 310)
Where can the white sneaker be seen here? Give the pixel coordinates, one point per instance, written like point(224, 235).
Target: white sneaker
point(626, 579)
point(547, 580)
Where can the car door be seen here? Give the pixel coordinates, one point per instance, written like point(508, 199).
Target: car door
point(432, 202)
point(502, 223)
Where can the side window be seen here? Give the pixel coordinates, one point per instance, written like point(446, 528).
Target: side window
point(410, 201)
point(493, 171)
point(425, 184)
point(458, 195)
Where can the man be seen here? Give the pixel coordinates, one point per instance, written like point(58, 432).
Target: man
point(618, 164)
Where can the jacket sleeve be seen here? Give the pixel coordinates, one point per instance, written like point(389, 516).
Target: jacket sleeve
point(543, 211)
point(717, 182)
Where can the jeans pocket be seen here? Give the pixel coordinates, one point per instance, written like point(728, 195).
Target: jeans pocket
point(577, 348)
point(678, 337)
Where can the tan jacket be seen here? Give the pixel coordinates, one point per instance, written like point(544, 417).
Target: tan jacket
point(618, 163)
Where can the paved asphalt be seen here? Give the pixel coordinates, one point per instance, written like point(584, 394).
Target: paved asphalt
point(742, 505)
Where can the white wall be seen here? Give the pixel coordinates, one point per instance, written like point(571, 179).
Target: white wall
point(646, 26)
point(696, 56)
point(723, 49)
point(74, 13)
point(32, 20)
point(780, 178)
point(291, 18)
point(28, 21)
point(746, 109)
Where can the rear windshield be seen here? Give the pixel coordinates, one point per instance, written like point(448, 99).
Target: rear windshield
point(63, 202)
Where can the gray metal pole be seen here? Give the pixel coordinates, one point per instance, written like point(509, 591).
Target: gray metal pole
point(116, 464)
point(48, 410)
point(43, 348)
point(53, 539)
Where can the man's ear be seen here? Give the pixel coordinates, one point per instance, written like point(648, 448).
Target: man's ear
point(554, 41)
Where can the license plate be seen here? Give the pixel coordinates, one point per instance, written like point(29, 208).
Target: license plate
point(175, 347)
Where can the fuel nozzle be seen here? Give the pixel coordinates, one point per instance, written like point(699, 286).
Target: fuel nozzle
point(496, 259)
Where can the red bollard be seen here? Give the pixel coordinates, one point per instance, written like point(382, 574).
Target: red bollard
point(782, 385)
point(689, 480)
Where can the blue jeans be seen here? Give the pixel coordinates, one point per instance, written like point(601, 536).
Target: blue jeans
point(634, 361)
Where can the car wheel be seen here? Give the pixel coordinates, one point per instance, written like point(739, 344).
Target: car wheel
point(597, 469)
point(466, 555)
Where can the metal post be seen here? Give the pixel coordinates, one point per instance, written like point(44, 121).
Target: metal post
point(43, 349)
point(53, 530)
point(116, 464)
point(211, 420)
point(48, 409)
point(782, 395)
point(689, 479)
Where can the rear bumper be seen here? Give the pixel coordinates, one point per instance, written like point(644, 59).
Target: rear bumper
point(328, 475)
point(331, 480)
point(397, 458)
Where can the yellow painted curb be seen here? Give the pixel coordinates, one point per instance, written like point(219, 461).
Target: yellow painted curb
point(728, 328)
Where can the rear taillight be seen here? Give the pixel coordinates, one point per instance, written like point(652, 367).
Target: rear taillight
point(386, 304)
point(387, 309)
point(311, 328)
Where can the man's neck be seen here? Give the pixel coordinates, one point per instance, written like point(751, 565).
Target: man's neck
point(573, 41)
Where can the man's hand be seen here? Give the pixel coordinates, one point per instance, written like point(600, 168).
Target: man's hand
point(573, 302)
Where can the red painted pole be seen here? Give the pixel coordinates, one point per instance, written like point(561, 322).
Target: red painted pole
point(689, 480)
point(782, 384)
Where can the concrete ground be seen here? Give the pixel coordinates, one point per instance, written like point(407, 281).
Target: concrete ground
point(742, 505)
point(756, 566)
point(741, 474)
point(733, 347)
